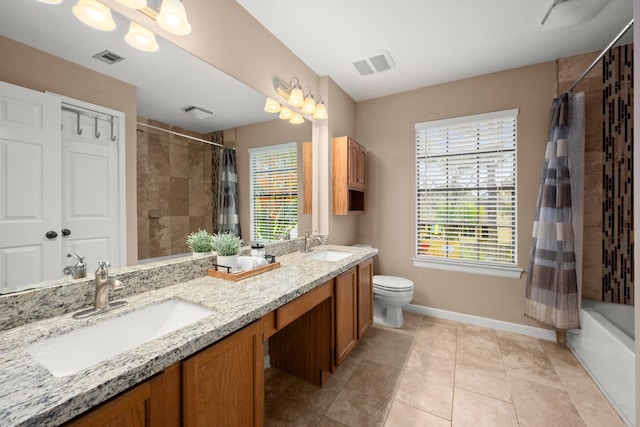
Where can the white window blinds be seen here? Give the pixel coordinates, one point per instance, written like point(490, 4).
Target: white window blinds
point(466, 189)
point(274, 191)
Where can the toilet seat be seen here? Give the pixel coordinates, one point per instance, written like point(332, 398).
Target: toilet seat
point(392, 283)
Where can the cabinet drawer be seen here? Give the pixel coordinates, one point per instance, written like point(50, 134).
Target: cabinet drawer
point(296, 308)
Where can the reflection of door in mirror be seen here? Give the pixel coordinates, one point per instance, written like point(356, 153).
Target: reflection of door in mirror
point(46, 171)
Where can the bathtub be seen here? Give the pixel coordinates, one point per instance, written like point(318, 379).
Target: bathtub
point(605, 347)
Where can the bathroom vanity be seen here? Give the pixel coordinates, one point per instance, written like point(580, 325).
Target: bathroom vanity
point(311, 310)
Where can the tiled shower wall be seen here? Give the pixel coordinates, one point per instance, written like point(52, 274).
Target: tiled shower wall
point(608, 247)
point(174, 189)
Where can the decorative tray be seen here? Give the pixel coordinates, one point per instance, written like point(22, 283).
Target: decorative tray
point(242, 274)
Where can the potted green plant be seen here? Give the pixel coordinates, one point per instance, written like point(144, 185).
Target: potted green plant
point(200, 242)
point(227, 245)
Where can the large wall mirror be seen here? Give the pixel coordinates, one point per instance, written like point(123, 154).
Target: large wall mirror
point(166, 83)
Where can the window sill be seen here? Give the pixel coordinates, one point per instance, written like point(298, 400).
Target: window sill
point(487, 270)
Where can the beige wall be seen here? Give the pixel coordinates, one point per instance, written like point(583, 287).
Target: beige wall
point(260, 135)
point(37, 70)
point(386, 127)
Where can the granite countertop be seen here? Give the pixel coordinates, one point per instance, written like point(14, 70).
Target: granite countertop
point(31, 395)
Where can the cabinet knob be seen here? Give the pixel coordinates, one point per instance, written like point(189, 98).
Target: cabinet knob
point(51, 234)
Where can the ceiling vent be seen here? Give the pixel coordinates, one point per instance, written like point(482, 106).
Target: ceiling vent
point(108, 57)
point(375, 62)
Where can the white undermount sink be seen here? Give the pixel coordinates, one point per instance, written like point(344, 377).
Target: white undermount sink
point(72, 352)
point(330, 255)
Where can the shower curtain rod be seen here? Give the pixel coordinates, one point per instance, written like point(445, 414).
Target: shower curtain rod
point(604, 51)
point(183, 135)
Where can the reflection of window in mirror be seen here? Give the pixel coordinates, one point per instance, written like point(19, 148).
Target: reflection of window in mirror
point(274, 192)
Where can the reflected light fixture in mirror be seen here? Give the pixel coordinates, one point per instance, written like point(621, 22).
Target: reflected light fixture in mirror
point(271, 106)
point(286, 113)
point(173, 18)
point(141, 38)
point(296, 119)
point(94, 14)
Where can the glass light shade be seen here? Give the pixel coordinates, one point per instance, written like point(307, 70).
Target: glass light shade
point(296, 119)
point(309, 106)
point(286, 113)
point(173, 18)
point(271, 106)
point(321, 111)
point(297, 97)
point(94, 14)
point(50, 1)
point(133, 4)
point(141, 38)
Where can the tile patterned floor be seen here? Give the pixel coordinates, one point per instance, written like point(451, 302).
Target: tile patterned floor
point(435, 372)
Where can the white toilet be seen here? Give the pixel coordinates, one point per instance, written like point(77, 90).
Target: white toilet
point(390, 294)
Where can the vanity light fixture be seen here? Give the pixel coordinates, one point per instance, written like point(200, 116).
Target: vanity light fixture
point(173, 18)
point(133, 4)
point(141, 38)
point(94, 14)
point(303, 100)
point(271, 106)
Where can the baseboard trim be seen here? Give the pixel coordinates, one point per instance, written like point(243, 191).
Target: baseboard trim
point(531, 331)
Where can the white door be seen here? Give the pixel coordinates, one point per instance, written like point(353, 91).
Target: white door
point(30, 205)
point(90, 202)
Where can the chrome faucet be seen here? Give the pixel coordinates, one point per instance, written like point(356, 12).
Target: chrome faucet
point(308, 240)
point(103, 285)
point(77, 271)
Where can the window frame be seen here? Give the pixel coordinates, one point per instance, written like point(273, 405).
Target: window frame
point(290, 147)
point(492, 268)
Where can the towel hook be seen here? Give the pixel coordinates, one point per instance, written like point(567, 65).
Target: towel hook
point(78, 124)
point(97, 133)
point(113, 137)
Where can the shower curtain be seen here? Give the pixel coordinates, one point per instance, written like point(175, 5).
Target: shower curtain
point(228, 219)
point(552, 291)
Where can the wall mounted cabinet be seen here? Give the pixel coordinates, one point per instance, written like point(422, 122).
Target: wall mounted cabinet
point(349, 182)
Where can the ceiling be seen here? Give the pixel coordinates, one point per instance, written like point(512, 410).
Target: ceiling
point(430, 41)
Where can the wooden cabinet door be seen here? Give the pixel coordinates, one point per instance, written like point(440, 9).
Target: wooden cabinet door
point(346, 321)
point(223, 385)
point(129, 409)
point(352, 163)
point(365, 297)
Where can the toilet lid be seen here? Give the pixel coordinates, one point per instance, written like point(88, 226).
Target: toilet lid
point(392, 283)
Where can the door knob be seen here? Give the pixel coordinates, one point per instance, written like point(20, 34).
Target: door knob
point(51, 234)
point(66, 232)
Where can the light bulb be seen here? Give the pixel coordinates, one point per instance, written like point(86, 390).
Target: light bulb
point(296, 119)
point(286, 113)
point(271, 106)
point(296, 98)
point(309, 106)
point(141, 38)
point(173, 18)
point(321, 111)
point(94, 14)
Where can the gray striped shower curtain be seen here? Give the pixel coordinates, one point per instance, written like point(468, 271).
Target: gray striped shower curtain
point(552, 291)
point(228, 218)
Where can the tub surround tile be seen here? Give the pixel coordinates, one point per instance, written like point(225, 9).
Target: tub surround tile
point(31, 395)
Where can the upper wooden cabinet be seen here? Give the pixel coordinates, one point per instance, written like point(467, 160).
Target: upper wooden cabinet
point(349, 182)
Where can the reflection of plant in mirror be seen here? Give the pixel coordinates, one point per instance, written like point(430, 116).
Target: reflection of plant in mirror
point(227, 243)
point(200, 241)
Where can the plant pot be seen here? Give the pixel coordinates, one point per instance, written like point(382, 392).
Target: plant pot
point(200, 254)
point(228, 261)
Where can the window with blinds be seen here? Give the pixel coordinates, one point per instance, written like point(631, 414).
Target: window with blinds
point(274, 191)
point(466, 190)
